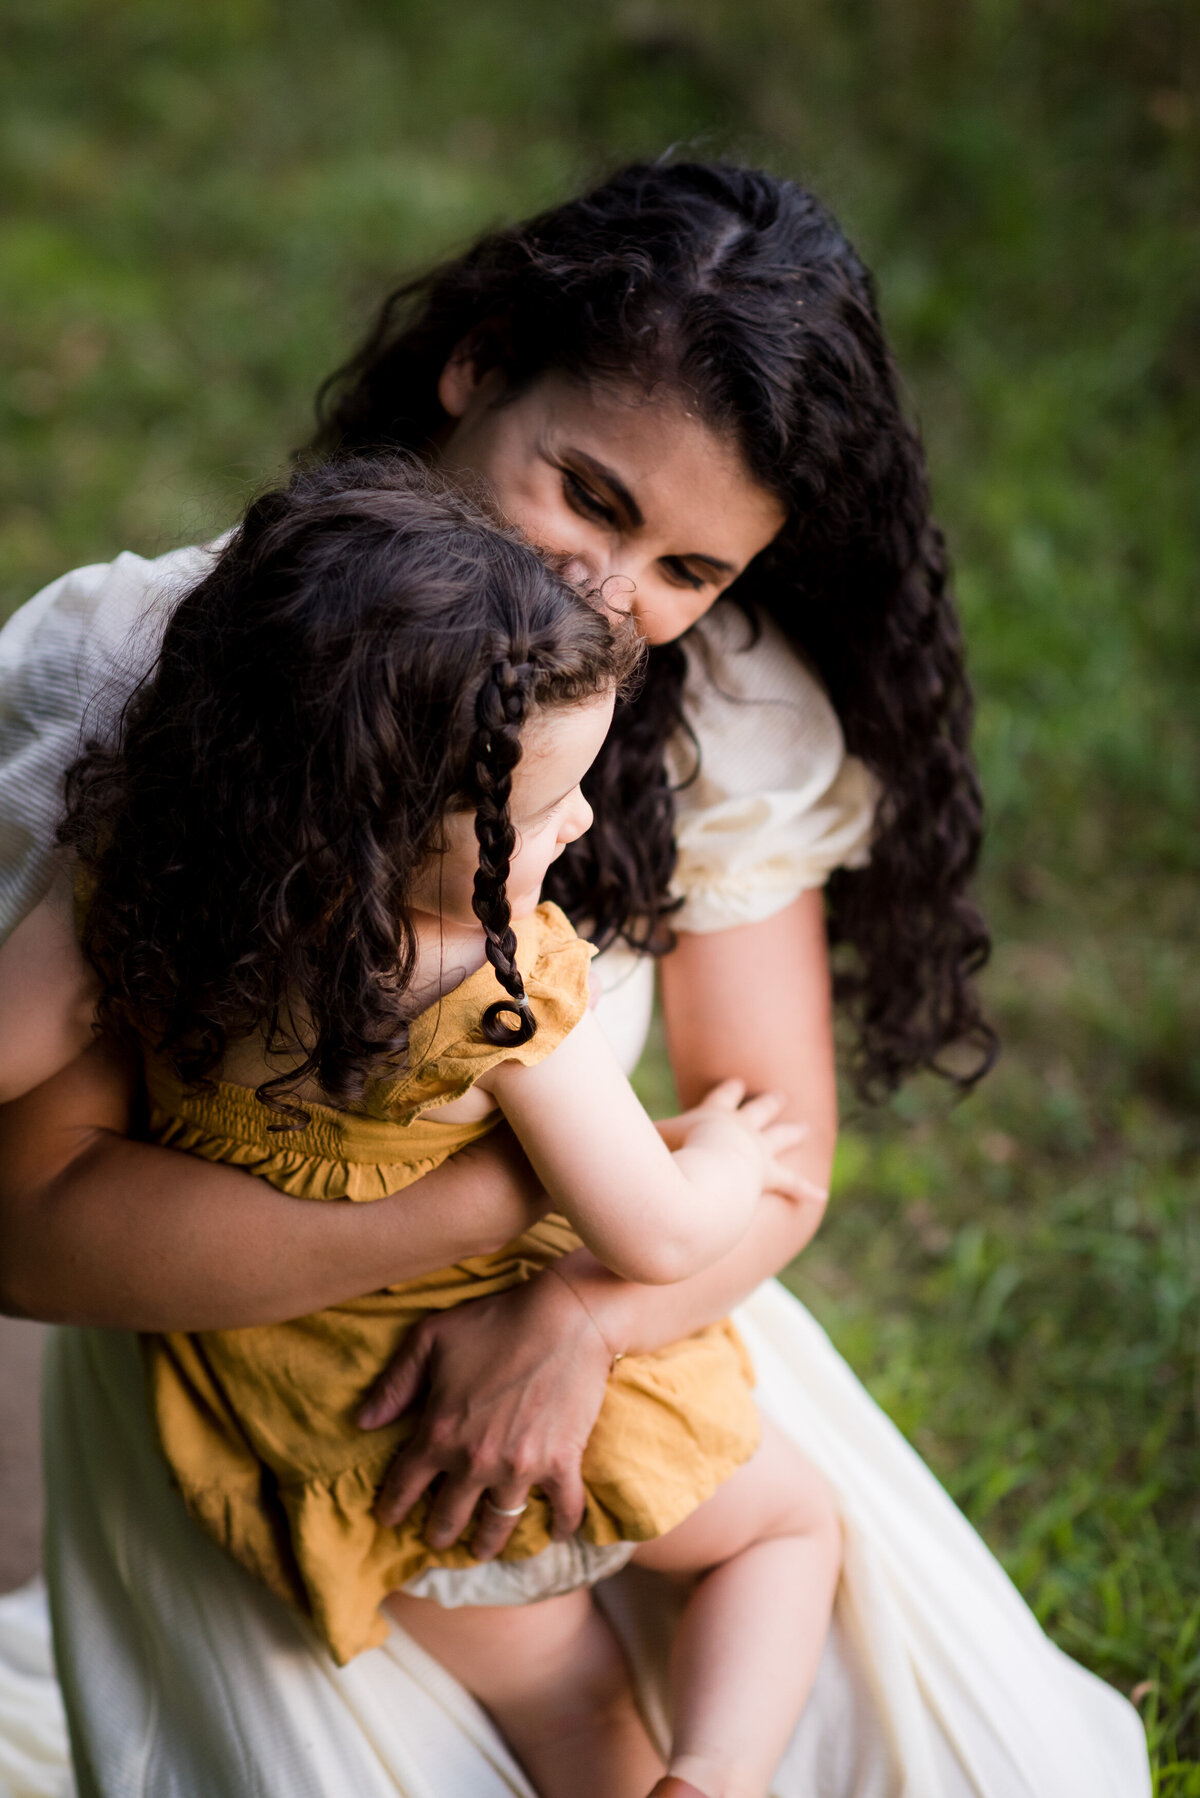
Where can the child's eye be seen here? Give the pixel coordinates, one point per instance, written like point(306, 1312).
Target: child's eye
point(582, 499)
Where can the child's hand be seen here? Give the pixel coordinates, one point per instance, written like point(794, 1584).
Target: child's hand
point(725, 1117)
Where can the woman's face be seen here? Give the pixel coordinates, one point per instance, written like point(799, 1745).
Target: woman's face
point(632, 489)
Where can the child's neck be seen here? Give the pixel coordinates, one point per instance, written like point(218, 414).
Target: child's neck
point(447, 952)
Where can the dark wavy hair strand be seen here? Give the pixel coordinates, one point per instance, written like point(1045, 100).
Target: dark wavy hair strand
point(740, 290)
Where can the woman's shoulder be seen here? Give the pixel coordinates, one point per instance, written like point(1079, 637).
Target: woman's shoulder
point(769, 802)
point(68, 659)
point(750, 698)
point(100, 610)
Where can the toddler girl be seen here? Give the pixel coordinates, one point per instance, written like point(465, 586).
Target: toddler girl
point(299, 870)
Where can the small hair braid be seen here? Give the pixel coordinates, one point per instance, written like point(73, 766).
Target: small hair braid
point(494, 752)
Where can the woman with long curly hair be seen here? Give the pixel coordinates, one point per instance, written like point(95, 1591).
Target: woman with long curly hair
point(678, 386)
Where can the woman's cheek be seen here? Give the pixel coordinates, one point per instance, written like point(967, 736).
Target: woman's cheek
point(541, 514)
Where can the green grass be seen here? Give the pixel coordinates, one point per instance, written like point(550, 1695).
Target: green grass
point(1016, 1280)
point(200, 206)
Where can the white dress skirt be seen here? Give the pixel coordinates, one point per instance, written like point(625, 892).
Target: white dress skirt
point(183, 1678)
point(179, 1677)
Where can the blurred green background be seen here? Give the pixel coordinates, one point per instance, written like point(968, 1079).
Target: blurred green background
point(201, 205)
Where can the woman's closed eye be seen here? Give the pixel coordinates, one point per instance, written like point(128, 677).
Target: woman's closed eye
point(682, 575)
point(581, 498)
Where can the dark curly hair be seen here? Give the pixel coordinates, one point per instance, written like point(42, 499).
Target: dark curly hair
point(359, 662)
point(741, 289)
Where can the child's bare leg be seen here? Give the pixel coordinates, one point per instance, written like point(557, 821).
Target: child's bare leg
point(768, 1545)
point(555, 1680)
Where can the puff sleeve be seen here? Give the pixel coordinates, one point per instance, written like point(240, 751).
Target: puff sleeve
point(777, 804)
point(68, 660)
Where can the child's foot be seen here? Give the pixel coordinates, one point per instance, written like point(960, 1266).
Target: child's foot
point(671, 1787)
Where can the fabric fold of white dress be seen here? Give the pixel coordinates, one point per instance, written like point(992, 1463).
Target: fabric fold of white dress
point(183, 1677)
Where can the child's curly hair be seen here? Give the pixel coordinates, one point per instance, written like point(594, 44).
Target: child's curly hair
point(359, 661)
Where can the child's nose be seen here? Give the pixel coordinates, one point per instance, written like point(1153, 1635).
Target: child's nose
point(578, 819)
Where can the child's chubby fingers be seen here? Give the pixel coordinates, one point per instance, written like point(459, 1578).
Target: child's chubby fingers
point(781, 1179)
point(727, 1095)
point(777, 1139)
point(761, 1109)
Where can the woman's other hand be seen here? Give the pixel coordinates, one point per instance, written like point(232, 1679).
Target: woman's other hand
point(510, 1388)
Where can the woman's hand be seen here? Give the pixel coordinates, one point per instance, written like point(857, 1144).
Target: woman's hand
point(510, 1388)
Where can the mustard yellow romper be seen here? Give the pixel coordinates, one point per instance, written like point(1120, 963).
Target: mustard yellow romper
point(258, 1424)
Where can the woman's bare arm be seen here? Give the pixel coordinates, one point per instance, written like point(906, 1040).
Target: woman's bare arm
point(96, 1229)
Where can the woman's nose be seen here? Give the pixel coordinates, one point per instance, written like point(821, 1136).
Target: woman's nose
point(597, 573)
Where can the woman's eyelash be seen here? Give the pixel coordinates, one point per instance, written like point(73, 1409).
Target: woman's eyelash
point(683, 573)
point(583, 498)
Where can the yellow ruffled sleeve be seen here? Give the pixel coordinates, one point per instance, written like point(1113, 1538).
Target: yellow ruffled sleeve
point(447, 1049)
point(388, 1144)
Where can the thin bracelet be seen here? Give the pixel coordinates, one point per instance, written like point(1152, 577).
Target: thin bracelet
point(614, 1355)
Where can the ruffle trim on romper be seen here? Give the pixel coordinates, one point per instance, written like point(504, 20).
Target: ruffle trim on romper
point(673, 1427)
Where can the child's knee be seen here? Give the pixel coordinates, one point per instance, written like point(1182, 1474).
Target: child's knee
point(808, 1505)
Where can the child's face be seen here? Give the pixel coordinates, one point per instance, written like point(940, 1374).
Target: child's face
point(547, 808)
point(631, 489)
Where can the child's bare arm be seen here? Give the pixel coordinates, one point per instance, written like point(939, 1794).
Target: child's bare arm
point(650, 1214)
point(47, 996)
